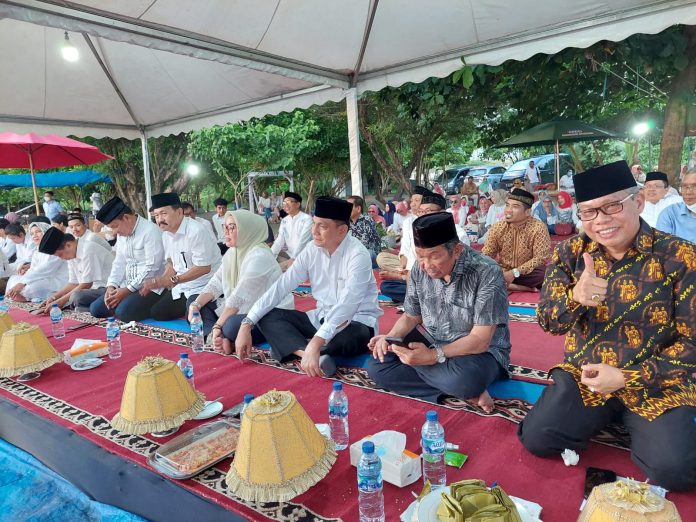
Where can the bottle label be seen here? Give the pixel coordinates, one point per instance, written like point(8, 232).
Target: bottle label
point(187, 371)
point(366, 483)
point(111, 334)
point(336, 410)
point(196, 328)
point(433, 446)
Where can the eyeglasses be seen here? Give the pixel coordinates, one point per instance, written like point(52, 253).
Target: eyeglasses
point(687, 188)
point(370, 211)
point(610, 208)
point(230, 228)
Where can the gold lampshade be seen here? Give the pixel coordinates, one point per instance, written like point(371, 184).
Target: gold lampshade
point(25, 349)
point(628, 501)
point(156, 397)
point(6, 322)
point(280, 453)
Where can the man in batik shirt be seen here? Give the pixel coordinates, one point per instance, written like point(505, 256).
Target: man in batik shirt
point(624, 294)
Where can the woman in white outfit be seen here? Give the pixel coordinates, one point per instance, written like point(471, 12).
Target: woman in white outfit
point(45, 275)
point(248, 269)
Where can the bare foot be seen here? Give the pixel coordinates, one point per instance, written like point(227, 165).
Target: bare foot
point(485, 402)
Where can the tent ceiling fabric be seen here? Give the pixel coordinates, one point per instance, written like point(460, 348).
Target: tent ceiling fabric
point(183, 65)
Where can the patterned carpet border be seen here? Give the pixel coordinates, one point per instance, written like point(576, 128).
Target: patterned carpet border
point(212, 478)
point(513, 410)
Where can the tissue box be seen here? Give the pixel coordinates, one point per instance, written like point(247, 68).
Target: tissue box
point(399, 466)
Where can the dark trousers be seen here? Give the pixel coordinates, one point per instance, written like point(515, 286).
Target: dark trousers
point(464, 377)
point(394, 290)
point(665, 448)
point(133, 307)
point(231, 328)
point(288, 330)
point(169, 309)
point(223, 248)
point(534, 279)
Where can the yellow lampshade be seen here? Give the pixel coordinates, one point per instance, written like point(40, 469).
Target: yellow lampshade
point(25, 349)
point(6, 322)
point(280, 453)
point(156, 397)
point(628, 501)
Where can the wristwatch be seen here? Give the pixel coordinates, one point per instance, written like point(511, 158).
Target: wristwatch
point(516, 273)
point(195, 304)
point(441, 357)
point(248, 321)
point(174, 279)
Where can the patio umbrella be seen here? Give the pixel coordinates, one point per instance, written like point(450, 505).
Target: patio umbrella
point(33, 151)
point(555, 132)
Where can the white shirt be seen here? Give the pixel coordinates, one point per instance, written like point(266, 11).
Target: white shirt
point(190, 246)
point(44, 266)
point(139, 256)
point(398, 222)
point(8, 247)
point(264, 203)
point(96, 239)
point(463, 210)
point(407, 247)
point(651, 211)
point(495, 213)
point(219, 227)
point(566, 181)
point(92, 264)
point(208, 226)
point(343, 285)
point(294, 233)
point(258, 272)
point(532, 174)
point(25, 251)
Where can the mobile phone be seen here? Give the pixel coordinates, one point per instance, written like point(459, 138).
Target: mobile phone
point(398, 341)
point(595, 477)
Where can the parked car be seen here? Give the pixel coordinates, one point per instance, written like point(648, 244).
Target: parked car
point(493, 173)
point(455, 178)
point(546, 165)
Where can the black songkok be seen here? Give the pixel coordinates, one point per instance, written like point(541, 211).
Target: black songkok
point(333, 208)
point(522, 196)
point(602, 181)
point(111, 210)
point(434, 230)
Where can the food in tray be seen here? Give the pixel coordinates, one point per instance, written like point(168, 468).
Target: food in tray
point(202, 452)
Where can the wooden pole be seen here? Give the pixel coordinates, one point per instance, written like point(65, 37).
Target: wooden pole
point(33, 184)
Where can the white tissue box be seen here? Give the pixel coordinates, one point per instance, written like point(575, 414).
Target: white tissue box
point(399, 466)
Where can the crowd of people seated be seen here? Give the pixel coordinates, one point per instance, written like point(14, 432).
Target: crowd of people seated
point(621, 287)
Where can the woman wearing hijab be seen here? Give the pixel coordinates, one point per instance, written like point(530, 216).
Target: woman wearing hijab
point(389, 213)
point(374, 215)
point(46, 274)
point(248, 269)
point(547, 213)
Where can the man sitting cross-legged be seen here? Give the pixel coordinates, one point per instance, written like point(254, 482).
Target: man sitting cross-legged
point(89, 266)
point(460, 298)
point(343, 284)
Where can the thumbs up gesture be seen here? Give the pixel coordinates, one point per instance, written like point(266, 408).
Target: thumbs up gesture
point(590, 290)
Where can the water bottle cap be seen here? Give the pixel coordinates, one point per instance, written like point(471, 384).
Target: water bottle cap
point(54, 305)
point(368, 447)
point(184, 355)
point(337, 386)
point(431, 415)
point(248, 398)
point(110, 319)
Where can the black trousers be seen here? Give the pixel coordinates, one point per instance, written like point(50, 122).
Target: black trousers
point(463, 377)
point(288, 330)
point(665, 448)
point(168, 309)
point(134, 307)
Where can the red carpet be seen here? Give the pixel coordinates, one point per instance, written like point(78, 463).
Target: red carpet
point(494, 453)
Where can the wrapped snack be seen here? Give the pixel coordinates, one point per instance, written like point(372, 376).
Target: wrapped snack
point(472, 501)
point(627, 501)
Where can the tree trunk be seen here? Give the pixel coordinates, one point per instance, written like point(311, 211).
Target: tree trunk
point(681, 95)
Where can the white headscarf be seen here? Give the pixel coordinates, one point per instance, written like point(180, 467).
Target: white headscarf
point(252, 232)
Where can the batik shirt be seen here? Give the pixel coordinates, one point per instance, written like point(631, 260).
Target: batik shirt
point(365, 231)
point(646, 326)
point(524, 246)
point(475, 295)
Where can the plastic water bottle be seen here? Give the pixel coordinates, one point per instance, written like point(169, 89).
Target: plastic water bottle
point(186, 367)
point(197, 341)
point(338, 416)
point(370, 496)
point(113, 338)
point(433, 445)
point(247, 399)
point(4, 306)
point(57, 326)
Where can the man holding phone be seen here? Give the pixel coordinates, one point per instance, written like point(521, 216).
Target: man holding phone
point(459, 297)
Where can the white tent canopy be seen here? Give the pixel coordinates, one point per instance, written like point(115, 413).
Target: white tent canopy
point(159, 67)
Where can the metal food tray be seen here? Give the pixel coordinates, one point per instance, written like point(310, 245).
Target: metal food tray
point(163, 465)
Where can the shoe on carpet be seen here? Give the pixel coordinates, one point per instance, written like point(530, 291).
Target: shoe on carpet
point(327, 365)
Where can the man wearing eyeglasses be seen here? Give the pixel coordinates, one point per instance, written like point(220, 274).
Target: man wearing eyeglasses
point(679, 219)
point(295, 231)
point(624, 294)
point(657, 197)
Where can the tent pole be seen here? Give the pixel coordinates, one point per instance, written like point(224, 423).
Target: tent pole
point(146, 170)
point(354, 141)
point(558, 167)
point(33, 184)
